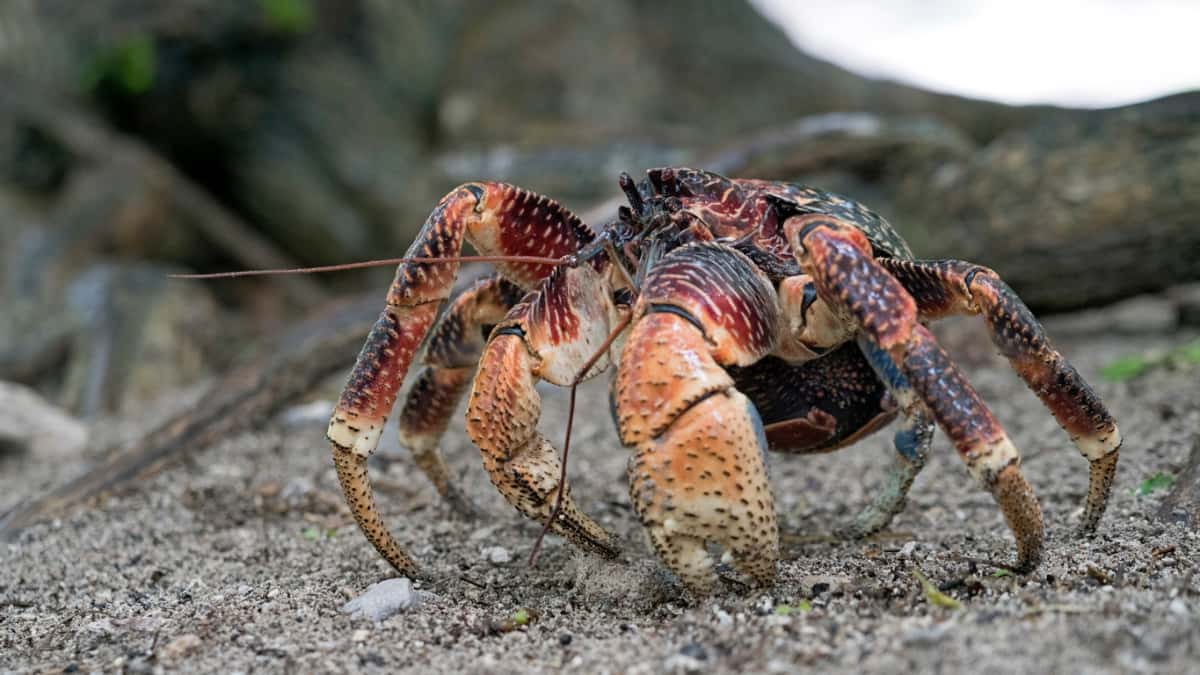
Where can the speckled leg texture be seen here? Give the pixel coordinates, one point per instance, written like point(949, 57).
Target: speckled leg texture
point(497, 219)
point(452, 353)
point(954, 287)
point(698, 473)
point(549, 336)
point(839, 258)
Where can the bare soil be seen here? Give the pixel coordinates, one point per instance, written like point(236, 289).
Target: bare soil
point(240, 558)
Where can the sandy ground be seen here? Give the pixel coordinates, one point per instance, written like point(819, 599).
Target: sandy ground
point(241, 558)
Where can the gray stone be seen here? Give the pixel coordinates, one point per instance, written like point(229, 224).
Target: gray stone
point(30, 423)
point(384, 599)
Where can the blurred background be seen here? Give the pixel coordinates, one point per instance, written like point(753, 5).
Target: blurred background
point(1056, 142)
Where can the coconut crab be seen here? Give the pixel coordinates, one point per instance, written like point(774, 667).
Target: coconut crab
point(742, 315)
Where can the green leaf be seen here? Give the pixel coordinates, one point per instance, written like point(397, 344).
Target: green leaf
point(1128, 367)
point(130, 64)
point(1124, 368)
point(1002, 573)
point(520, 617)
point(1159, 481)
point(313, 533)
point(932, 595)
point(787, 610)
point(1189, 352)
point(288, 16)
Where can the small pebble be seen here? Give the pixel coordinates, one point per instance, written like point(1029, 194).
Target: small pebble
point(927, 637)
point(384, 599)
point(296, 490)
point(497, 555)
point(313, 413)
point(695, 650)
point(682, 664)
point(723, 619)
point(180, 647)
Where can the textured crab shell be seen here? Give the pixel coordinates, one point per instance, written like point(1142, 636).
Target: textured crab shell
point(790, 199)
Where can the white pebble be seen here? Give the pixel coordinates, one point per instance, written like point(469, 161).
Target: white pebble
point(384, 599)
point(497, 555)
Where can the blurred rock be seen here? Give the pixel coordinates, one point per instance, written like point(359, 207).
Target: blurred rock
point(124, 334)
point(322, 130)
point(29, 423)
point(313, 413)
point(1142, 314)
point(1187, 303)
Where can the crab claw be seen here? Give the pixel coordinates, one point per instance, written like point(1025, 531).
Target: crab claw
point(549, 336)
point(698, 474)
point(704, 480)
point(502, 420)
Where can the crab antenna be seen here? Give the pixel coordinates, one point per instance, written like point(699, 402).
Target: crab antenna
point(529, 259)
point(562, 478)
point(631, 192)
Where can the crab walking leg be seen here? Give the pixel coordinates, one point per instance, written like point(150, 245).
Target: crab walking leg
point(955, 287)
point(455, 345)
point(911, 441)
point(549, 336)
point(497, 219)
point(808, 323)
point(698, 473)
point(838, 257)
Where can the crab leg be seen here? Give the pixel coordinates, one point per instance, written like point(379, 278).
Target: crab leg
point(809, 324)
point(838, 257)
point(455, 345)
point(911, 441)
point(549, 336)
point(698, 473)
point(497, 219)
point(948, 287)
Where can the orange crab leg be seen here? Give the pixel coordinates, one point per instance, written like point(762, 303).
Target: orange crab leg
point(698, 473)
point(839, 259)
point(955, 287)
point(497, 219)
point(455, 345)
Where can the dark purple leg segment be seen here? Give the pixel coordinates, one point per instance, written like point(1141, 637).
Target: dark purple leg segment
point(947, 287)
point(839, 259)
